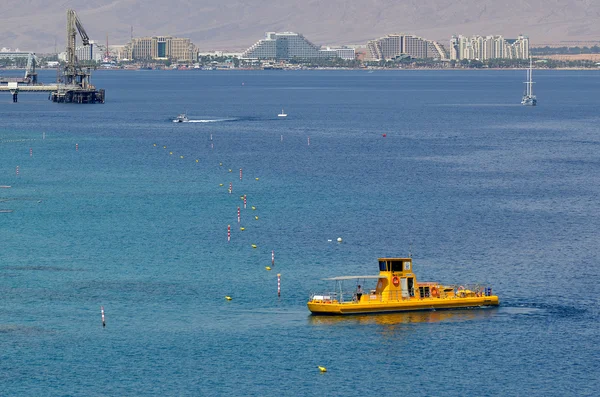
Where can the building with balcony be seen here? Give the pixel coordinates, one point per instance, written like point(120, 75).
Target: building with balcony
point(161, 48)
point(396, 45)
point(290, 45)
point(489, 47)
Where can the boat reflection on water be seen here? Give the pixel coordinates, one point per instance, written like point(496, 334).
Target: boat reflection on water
point(434, 316)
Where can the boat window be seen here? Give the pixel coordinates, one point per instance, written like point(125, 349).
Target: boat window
point(383, 266)
point(397, 266)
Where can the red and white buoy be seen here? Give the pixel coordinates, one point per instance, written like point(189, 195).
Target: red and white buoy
point(30, 152)
point(278, 284)
point(17, 170)
point(228, 233)
point(308, 141)
point(240, 174)
point(238, 214)
point(244, 201)
point(102, 313)
point(273, 258)
point(76, 147)
point(230, 187)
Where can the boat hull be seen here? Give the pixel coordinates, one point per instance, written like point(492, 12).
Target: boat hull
point(333, 308)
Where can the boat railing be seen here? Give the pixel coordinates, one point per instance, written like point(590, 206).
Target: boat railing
point(324, 297)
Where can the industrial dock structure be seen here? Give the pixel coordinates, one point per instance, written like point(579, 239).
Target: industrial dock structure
point(73, 83)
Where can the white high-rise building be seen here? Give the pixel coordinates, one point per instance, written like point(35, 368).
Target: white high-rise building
point(395, 45)
point(290, 45)
point(488, 47)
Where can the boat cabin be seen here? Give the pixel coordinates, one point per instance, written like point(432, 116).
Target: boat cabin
point(397, 280)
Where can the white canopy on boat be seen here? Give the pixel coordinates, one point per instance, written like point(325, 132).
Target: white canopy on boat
point(351, 278)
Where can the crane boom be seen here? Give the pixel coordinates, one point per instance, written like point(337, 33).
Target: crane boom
point(84, 37)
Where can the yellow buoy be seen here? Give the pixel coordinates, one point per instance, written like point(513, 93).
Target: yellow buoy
point(256, 179)
point(242, 228)
point(256, 217)
point(180, 157)
point(322, 369)
point(268, 267)
point(170, 152)
point(220, 184)
point(228, 298)
point(253, 245)
point(253, 207)
point(220, 164)
point(164, 147)
point(155, 144)
point(230, 170)
point(196, 160)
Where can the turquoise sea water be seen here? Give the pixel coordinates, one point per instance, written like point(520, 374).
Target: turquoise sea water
point(476, 186)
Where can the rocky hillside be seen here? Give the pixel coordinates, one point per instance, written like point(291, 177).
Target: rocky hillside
point(36, 25)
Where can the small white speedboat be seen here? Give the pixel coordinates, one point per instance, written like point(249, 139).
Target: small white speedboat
point(182, 118)
point(282, 114)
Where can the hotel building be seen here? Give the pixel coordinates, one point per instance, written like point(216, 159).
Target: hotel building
point(289, 45)
point(161, 48)
point(395, 45)
point(488, 47)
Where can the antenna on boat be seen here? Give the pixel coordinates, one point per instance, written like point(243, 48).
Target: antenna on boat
point(410, 249)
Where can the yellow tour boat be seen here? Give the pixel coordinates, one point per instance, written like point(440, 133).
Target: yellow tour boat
point(397, 290)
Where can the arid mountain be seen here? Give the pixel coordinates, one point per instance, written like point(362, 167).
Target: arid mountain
point(36, 25)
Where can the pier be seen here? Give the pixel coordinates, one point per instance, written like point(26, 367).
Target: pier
point(73, 83)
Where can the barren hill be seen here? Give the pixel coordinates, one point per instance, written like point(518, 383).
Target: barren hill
point(36, 25)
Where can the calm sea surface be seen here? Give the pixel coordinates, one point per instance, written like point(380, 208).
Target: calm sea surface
point(477, 187)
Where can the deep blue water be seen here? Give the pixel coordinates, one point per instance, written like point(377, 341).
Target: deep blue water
point(476, 186)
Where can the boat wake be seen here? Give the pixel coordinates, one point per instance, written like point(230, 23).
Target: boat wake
point(212, 120)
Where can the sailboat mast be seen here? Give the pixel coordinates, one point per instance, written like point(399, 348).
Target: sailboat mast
point(527, 83)
point(530, 76)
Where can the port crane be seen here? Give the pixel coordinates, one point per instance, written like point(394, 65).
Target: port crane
point(73, 83)
point(73, 73)
point(76, 87)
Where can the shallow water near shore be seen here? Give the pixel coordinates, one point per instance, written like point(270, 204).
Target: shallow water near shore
point(117, 206)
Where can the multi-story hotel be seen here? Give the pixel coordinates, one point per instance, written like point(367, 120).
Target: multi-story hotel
point(395, 45)
point(289, 45)
point(488, 47)
point(161, 48)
